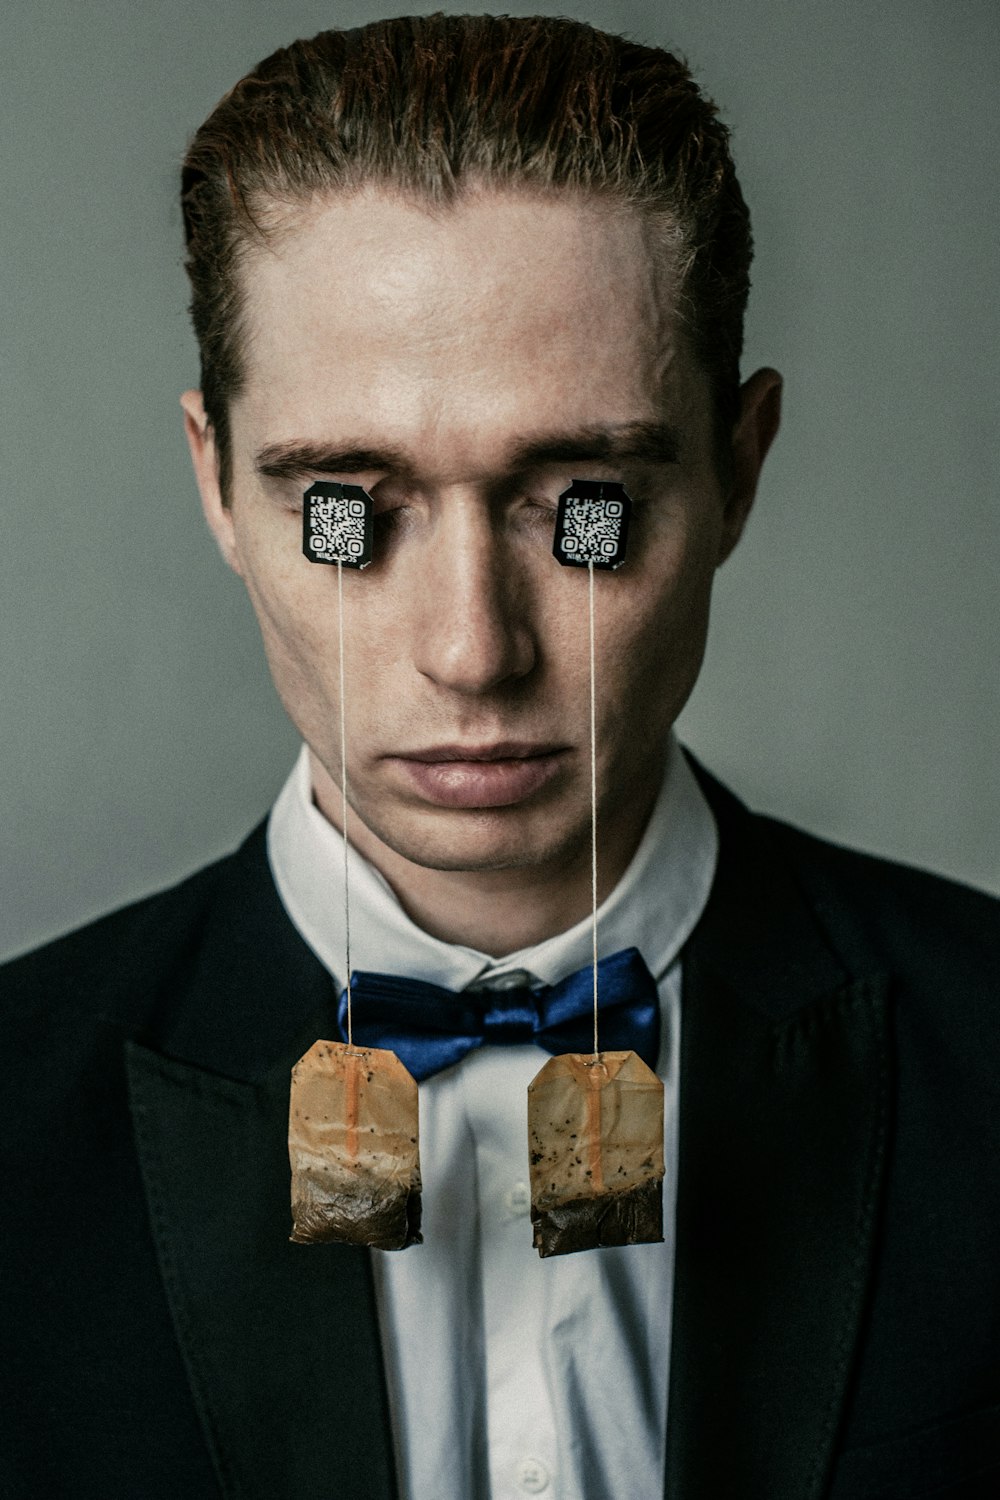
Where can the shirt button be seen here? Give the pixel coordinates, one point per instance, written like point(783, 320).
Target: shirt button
point(518, 979)
point(532, 1476)
point(517, 1200)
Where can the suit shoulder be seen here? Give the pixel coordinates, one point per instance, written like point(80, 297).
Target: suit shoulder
point(908, 913)
point(835, 879)
point(107, 965)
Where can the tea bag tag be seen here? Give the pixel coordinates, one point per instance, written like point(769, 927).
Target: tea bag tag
point(352, 1143)
point(592, 521)
point(337, 524)
point(595, 1152)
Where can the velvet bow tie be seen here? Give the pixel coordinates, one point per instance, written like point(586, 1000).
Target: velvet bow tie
point(430, 1028)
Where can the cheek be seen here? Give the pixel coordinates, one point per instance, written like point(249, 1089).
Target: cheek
point(296, 609)
point(296, 605)
point(655, 638)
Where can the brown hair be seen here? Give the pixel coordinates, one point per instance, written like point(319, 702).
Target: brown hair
point(430, 104)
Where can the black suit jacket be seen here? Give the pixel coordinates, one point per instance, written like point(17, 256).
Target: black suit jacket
point(836, 1327)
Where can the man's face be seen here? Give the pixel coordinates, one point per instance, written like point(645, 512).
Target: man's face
point(464, 366)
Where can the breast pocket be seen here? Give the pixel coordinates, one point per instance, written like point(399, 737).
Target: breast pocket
point(957, 1459)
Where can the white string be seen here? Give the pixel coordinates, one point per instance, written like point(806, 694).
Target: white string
point(343, 799)
point(593, 800)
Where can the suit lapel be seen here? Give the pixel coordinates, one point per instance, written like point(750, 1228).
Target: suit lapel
point(783, 1121)
point(784, 1110)
point(280, 1341)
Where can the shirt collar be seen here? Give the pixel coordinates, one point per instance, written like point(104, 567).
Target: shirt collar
point(654, 907)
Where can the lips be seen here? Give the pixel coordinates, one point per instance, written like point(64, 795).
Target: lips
point(500, 750)
point(480, 776)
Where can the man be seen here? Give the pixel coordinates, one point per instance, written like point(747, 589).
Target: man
point(463, 263)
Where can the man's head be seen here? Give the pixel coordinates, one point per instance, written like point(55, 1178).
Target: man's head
point(435, 106)
point(463, 340)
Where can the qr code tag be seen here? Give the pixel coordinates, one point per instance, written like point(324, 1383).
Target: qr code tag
point(592, 524)
point(337, 524)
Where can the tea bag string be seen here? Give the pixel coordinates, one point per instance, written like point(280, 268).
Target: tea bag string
point(593, 797)
point(343, 799)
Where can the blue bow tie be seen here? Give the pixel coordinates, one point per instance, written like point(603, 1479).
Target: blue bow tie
point(430, 1028)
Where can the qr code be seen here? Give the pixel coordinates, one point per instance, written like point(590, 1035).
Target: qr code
point(337, 524)
point(592, 524)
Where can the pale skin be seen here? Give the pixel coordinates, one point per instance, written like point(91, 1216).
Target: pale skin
point(464, 365)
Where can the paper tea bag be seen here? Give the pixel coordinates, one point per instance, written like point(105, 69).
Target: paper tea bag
point(595, 1149)
point(352, 1143)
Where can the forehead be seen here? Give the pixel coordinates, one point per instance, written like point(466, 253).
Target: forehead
point(505, 312)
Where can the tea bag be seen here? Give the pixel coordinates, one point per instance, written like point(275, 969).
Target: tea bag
point(595, 1121)
point(353, 1112)
point(595, 1152)
point(352, 1143)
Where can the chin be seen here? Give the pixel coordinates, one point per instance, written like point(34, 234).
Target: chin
point(480, 841)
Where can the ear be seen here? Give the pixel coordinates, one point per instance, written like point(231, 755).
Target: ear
point(755, 430)
point(205, 458)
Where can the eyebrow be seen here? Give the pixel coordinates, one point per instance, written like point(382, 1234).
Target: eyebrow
point(296, 460)
point(636, 442)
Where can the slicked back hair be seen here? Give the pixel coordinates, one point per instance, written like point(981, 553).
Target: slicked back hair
point(433, 105)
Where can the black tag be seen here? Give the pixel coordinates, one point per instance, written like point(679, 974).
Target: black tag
point(337, 524)
point(592, 524)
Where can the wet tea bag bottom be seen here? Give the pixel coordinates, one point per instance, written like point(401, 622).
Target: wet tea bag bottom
point(352, 1143)
point(595, 1143)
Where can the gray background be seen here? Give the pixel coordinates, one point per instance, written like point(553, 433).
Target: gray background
point(851, 681)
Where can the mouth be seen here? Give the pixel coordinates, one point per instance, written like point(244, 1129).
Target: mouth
point(500, 774)
point(499, 750)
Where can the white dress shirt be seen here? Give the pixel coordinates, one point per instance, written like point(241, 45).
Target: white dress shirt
point(509, 1375)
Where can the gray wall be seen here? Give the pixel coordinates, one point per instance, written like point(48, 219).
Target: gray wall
point(851, 682)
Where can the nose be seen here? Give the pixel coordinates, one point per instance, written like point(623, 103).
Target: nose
point(473, 632)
